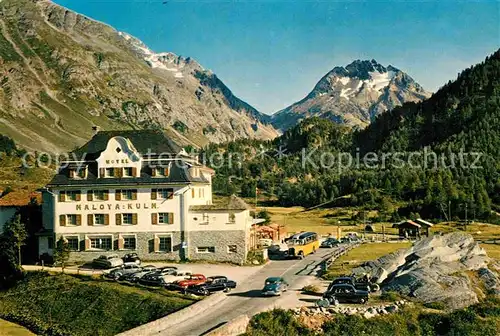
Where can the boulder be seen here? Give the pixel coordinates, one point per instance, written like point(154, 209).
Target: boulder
point(435, 269)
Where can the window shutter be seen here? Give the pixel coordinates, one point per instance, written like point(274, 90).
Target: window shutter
point(102, 172)
point(118, 219)
point(118, 195)
point(134, 194)
point(157, 244)
point(87, 243)
point(153, 172)
point(62, 196)
point(134, 219)
point(166, 171)
point(78, 219)
point(170, 193)
point(193, 193)
point(153, 193)
point(106, 219)
point(170, 218)
point(62, 220)
point(78, 195)
point(90, 195)
point(71, 173)
point(118, 172)
point(121, 242)
point(154, 218)
point(106, 195)
point(90, 219)
point(134, 171)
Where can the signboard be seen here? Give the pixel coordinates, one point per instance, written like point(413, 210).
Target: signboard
point(117, 206)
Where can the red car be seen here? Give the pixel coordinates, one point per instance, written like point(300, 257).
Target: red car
point(192, 280)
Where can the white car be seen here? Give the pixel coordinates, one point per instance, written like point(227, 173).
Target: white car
point(107, 261)
point(178, 275)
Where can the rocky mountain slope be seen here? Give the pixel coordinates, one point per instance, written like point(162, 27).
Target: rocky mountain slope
point(353, 95)
point(452, 269)
point(61, 73)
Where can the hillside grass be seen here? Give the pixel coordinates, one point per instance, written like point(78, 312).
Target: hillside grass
point(365, 252)
point(84, 306)
point(11, 329)
point(493, 250)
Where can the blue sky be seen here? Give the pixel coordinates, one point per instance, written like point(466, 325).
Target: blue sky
point(272, 53)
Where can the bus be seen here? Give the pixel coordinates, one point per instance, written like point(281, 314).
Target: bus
point(302, 244)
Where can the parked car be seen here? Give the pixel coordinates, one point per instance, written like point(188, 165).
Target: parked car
point(329, 243)
point(134, 277)
point(357, 283)
point(131, 258)
point(167, 270)
point(107, 261)
point(117, 273)
point(177, 275)
point(345, 293)
point(213, 284)
point(277, 248)
point(192, 280)
point(274, 286)
point(265, 242)
point(153, 279)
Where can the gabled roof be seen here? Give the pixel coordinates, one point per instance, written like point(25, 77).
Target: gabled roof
point(19, 198)
point(145, 141)
point(407, 223)
point(230, 203)
point(423, 222)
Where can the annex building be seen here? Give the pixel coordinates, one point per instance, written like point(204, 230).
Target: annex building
point(137, 191)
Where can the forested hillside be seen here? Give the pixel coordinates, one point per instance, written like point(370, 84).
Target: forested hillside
point(443, 152)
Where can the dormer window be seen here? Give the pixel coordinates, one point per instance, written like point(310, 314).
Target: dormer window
point(128, 172)
point(195, 172)
point(110, 172)
point(79, 173)
point(160, 171)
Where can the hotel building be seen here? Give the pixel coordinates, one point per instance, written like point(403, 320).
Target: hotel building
point(136, 191)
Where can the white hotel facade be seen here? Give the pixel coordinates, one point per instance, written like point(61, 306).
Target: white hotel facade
point(136, 191)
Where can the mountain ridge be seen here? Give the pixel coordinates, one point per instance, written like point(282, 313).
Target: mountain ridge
point(62, 73)
point(353, 95)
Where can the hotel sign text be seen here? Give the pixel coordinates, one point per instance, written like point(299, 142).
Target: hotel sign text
point(129, 206)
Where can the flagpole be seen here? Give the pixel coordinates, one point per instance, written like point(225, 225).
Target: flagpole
point(255, 213)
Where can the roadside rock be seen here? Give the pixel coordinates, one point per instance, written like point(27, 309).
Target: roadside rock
point(436, 269)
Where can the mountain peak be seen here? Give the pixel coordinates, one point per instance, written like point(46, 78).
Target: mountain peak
point(354, 95)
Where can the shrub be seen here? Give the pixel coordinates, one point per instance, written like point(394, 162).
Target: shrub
point(277, 322)
point(435, 305)
point(390, 296)
point(311, 289)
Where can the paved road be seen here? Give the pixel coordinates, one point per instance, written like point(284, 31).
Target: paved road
point(246, 298)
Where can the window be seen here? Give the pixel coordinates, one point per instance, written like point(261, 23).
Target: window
point(101, 243)
point(99, 219)
point(71, 220)
point(165, 244)
point(129, 243)
point(165, 218)
point(161, 171)
point(81, 173)
point(127, 218)
point(205, 219)
point(205, 249)
point(128, 172)
point(73, 195)
point(195, 172)
point(100, 195)
point(232, 249)
point(165, 193)
point(128, 194)
point(232, 218)
point(73, 243)
point(193, 193)
point(110, 172)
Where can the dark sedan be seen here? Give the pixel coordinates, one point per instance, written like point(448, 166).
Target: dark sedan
point(213, 284)
point(153, 279)
point(329, 243)
point(274, 286)
point(345, 293)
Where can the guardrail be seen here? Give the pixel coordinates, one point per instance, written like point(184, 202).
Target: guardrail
point(327, 262)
